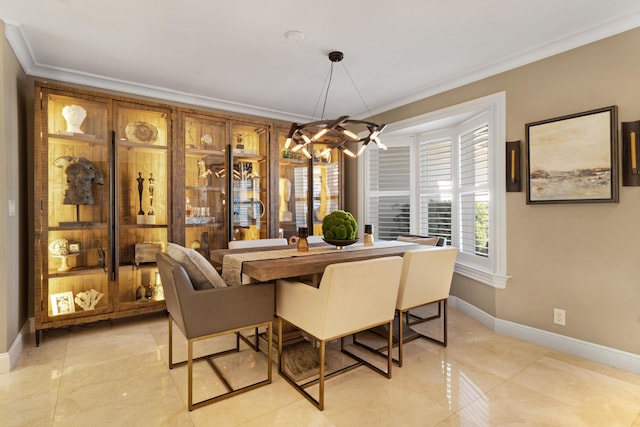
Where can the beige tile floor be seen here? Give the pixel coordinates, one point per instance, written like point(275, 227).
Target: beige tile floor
point(115, 374)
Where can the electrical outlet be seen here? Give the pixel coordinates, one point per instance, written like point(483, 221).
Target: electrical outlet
point(558, 316)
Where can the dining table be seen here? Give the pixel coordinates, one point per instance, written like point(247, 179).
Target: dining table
point(269, 263)
point(264, 264)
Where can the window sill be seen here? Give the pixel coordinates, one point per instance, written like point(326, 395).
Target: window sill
point(494, 280)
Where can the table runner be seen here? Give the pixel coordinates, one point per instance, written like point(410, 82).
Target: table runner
point(232, 263)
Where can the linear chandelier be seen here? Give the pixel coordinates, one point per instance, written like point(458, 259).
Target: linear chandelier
point(336, 133)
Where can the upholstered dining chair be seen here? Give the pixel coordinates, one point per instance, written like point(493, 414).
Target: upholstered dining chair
point(238, 244)
point(212, 312)
point(352, 296)
point(423, 240)
point(426, 279)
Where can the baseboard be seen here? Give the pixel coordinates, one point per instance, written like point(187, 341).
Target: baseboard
point(8, 360)
point(598, 353)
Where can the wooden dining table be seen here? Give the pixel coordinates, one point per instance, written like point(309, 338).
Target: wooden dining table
point(264, 269)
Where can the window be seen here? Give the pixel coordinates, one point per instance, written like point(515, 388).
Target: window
point(443, 175)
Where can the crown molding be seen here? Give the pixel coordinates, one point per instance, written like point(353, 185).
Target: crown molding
point(23, 51)
point(25, 56)
point(536, 53)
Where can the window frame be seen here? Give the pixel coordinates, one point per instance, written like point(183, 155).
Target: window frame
point(492, 273)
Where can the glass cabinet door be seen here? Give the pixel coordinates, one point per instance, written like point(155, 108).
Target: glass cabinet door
point(74, 181)
point(293, 197)
point(327, 182)
point(205, 180)
point(142, 191)
point(249, 178)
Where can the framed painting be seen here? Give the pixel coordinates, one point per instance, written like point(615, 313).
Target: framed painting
point(573, 159)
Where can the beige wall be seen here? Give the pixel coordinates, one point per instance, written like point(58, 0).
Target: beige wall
point(583, 258)
point(13, 250)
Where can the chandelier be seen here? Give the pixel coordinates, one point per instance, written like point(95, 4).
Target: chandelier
point(335, 133)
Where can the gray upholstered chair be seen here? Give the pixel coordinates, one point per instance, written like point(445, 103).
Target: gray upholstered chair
point(352, 296)
point(208, 313)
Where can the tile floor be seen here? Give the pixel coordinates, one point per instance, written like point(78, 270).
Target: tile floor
point(115, 374)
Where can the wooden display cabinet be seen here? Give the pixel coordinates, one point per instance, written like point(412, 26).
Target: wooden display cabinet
point(116, 178)
point(88, 150)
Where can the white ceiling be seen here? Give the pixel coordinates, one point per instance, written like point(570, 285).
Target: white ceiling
point(234, 55)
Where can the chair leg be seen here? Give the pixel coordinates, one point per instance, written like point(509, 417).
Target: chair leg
point(170, 342)
point(210, 359)
point(390, 351)
point(444, 326)
point(190, 374)
point(400, 337)
point(321, 385)
point(442, 314)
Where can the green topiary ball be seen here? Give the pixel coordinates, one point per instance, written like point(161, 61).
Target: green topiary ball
point(339, 225)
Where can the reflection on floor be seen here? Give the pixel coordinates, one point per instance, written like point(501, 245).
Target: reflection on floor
point(115, 374)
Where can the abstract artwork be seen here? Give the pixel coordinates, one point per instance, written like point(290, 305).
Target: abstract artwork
point(573, 159)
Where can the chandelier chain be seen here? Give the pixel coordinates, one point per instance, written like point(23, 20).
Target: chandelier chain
point(357, 90)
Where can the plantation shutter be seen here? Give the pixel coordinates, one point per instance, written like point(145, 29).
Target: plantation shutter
point(474, 191)
point(435, 186)
point(389, 181)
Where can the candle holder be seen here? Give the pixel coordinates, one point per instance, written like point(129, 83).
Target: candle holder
point(368, 235)
point(303, 244)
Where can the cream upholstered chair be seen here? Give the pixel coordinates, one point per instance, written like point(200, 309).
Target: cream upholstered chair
point(239, 244)
point(352, 296)
point(426, 279)
point(208, 313)
point(423, 240)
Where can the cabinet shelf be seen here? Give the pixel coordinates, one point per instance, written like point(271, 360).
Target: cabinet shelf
point(205, 225)
point(197, 152)
point(78, 271)
point(248, 157)
point(134, 226)
point(285, 161)
point(75, 139)
point(139, 146)
point(204, 188)
point(79, 226)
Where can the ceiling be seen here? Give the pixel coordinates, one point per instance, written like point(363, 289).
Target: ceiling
point(234, 55)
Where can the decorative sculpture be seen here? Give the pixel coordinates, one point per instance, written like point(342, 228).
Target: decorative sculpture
point(59, 248)
point(151, 218)
point(88, 300)
point(140, 180)
point(74, 115)
point(80, 175)
point(285, 196)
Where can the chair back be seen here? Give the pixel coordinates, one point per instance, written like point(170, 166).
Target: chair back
point(170, 273)
point(239, 244)
point(354, 295)
point(203, 312)
point(426, 276)
point(423, 240)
